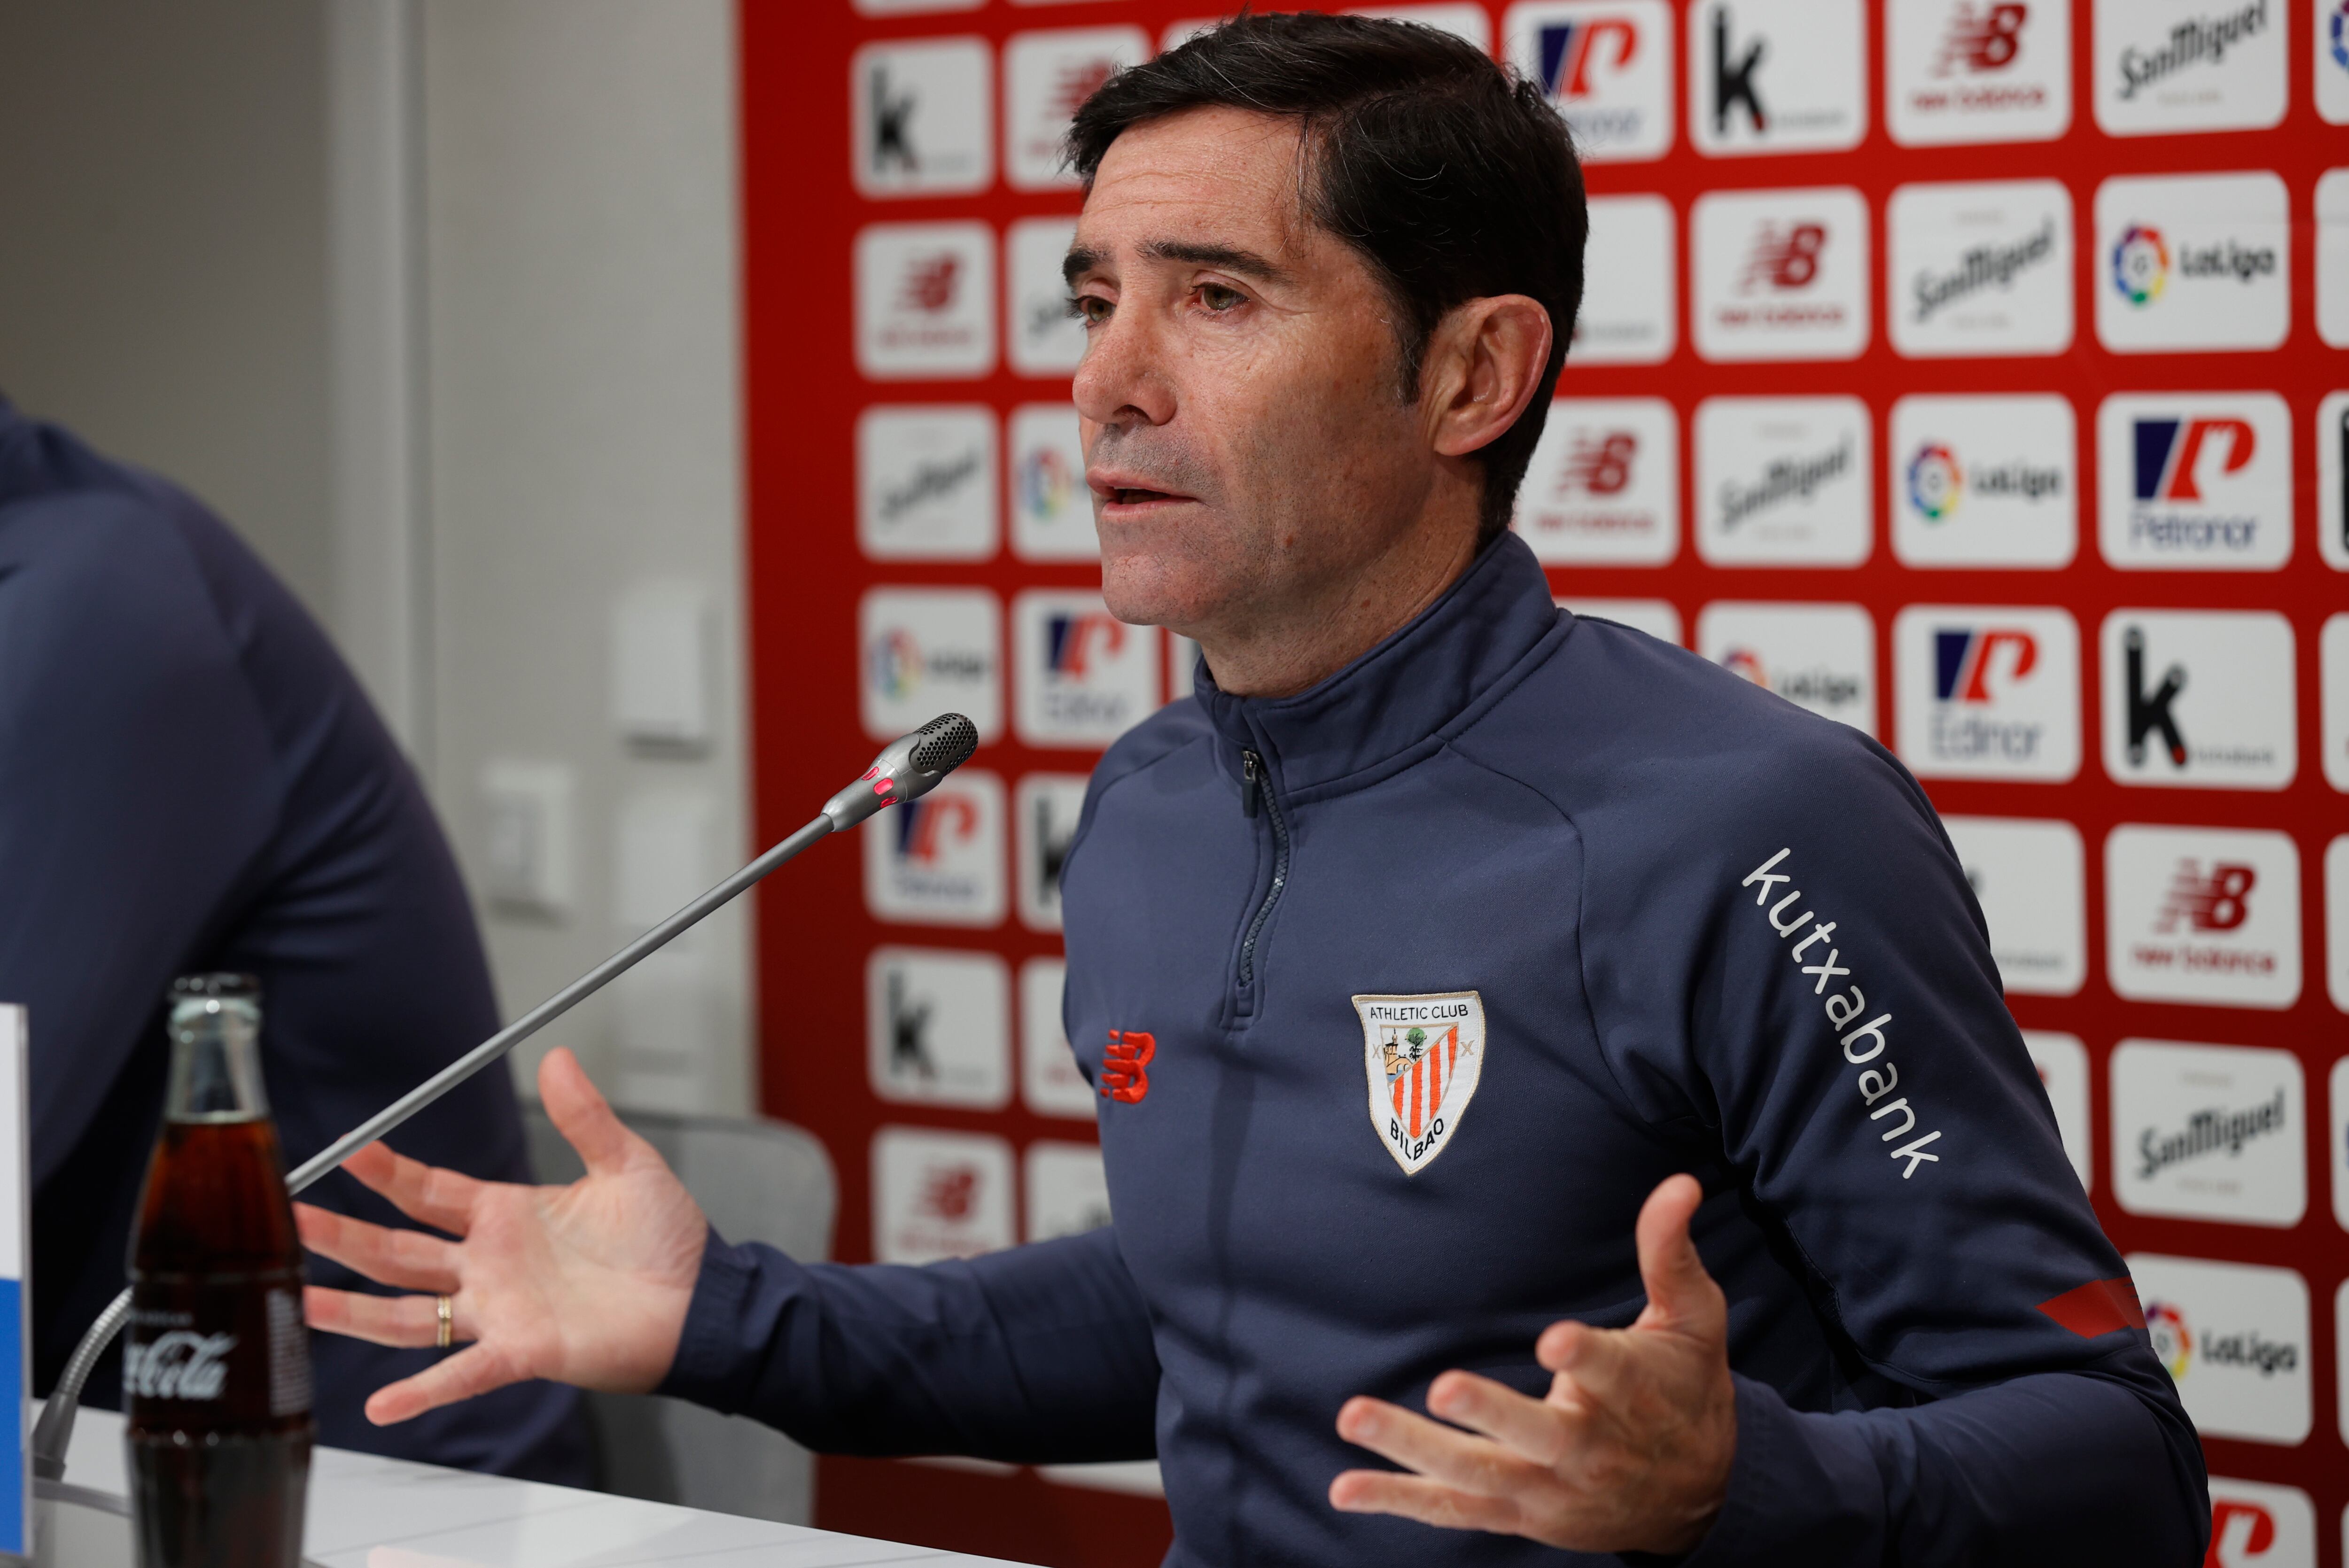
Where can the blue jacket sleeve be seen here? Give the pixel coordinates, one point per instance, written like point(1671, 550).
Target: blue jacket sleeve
point(1843, 1048)
point(1036, 1354)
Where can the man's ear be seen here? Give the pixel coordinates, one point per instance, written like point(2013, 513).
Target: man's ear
point(1485, 363)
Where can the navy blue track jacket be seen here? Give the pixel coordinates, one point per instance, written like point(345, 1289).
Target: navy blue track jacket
point(191, 780)
point(1403, 994)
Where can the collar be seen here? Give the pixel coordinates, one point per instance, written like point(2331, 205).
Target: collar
point(1397, 702)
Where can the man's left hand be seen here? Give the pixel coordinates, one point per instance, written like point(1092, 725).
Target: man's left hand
point(1628, 1452)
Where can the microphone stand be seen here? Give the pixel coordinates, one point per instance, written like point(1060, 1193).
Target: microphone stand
point(909, 768)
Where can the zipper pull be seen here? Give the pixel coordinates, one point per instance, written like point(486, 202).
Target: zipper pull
point(1251, 781)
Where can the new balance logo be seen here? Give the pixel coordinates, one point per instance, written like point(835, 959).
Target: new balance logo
point(1786, 258)
point(931, 283)
point(1599, 463)
point(1984, 40)
point(2215, 902)
point(1125, 1075)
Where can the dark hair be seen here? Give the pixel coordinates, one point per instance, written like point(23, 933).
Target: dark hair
point(1451, 176)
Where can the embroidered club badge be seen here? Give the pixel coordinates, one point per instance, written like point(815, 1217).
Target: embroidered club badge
point(1423, 1055)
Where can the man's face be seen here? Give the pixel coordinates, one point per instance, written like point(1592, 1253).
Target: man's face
point(1247, 441)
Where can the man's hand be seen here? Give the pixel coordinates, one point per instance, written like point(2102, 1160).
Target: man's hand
point(1631, 1450)
point(586, 1283)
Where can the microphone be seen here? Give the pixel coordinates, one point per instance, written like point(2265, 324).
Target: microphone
point(908, 768)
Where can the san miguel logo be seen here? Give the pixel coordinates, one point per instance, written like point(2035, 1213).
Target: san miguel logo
point(1423, 1055)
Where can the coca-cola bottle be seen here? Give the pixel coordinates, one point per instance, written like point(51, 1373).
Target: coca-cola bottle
point(216, 1366)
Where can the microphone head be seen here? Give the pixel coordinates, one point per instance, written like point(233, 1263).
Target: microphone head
point(908, 768)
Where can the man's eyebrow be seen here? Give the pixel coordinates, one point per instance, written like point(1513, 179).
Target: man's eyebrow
point(1231, 258)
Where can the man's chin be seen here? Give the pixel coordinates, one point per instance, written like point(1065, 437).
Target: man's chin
point(1143, 589)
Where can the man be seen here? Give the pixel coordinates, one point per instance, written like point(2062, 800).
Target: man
point(190, 781)
point(1511, 1017)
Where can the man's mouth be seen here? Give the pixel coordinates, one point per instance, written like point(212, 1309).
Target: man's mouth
point(1131, 495)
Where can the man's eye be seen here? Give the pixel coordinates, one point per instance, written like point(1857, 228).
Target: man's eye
point(1089, 308)
point(1216, 298)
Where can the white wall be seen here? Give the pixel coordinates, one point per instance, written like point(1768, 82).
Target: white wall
point(435, 300)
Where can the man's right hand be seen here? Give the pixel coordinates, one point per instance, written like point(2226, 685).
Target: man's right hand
point(586, 1284)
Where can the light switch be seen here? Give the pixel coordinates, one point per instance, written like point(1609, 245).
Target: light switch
point(526, 849)
point(663, 633)
point(661, 856)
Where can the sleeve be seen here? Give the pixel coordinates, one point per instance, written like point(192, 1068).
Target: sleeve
point(1040, 1354)
point(1839, 1034)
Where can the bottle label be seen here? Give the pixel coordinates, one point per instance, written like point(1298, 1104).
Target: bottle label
point(178, 1365)
point(289, 1356)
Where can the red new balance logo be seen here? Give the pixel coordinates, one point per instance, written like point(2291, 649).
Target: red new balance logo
point(1124, 1075)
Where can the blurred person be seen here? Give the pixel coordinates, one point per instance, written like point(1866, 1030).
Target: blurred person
point(1528, 1053)
point(192, 780)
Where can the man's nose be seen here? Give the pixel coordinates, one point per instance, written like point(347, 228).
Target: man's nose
point(1122, 378)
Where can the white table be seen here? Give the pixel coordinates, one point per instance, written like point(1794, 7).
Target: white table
point(371, 1512)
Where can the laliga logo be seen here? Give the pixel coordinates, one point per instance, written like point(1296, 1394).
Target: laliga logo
point(1987, 40)
point(1568, 50)
point(931, 283)
point(2173, 1342)
point(2166, 465)
point(2141, 265)
point(1963, 660)
point(896, 662)
point(2337, 34)
point(927, 826)
point(1784, 258)
point(1046, 483)
point(1935, 480)
point(1072, 643)
point(1747, 665)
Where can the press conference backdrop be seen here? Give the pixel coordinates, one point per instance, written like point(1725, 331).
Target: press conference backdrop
point(1968, 371)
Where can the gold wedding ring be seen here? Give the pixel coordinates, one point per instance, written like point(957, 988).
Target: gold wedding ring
point(444, 1310)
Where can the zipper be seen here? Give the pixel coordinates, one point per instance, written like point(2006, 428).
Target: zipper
point(1255, 789)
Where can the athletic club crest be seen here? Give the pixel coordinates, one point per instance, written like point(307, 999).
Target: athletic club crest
point(1423, 1055)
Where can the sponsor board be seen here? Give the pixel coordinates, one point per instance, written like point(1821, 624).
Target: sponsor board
point(1050, 1083)
point(1630, 301)
point(1606, 65)
point(1181, 666)
point(938, 861)
point(1045, 77)
point(1980, 481)
point(2332, 712)
point(922, 122)
point(2208, 1132)
point(1067, 1189)
point(1782, 481)
point(2192, 261)
point(1780, 275)
point(2333, 257)
point(1987, 692)
point(2255, 1525)
point(926, 483)
point(1657, 617)
point(2167, 66)
point(2031, 878)
point(1464, 19)
point(927, 651)
point(2194, 482)
point(1818, 656)
point(2336, 955)
point(925, 300)
point(2202, 914)
point(1083, 678)
point(2333, 474)
point(2062, 1063)
point(2331, 60)
point(2235, 1339)
point(1777, 75)
point(2198, 699)
point(1603, 486)
point(913, 7)
point(1978, 268)
point(1977, 70)
point(938, 1028)
point(1052, 510)
point(2337, 1093)
point(1044, 809)
point(938, 1195)
point(1040, 337)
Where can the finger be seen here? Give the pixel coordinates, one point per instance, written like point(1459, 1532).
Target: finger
point(1414, 1496)
point(1440, 1453)
point(581, 1114)
point(439, 1198)
point(474, 1370)
point(1537, 1431)
point(406, 1321)
point(1592, 1364)
point(1681, 1294)
point(409, 1260)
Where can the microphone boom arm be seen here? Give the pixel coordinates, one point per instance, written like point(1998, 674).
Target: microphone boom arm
point(908, 768)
